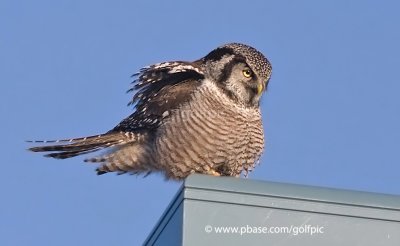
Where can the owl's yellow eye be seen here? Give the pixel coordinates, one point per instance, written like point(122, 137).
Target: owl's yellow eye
point(247, 73)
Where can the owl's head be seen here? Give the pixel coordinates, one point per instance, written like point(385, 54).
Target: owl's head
point(240, 71)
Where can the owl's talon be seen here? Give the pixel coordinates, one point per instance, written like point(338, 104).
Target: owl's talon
point(214, 173)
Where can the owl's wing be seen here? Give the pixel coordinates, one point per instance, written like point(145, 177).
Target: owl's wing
point(160, 88)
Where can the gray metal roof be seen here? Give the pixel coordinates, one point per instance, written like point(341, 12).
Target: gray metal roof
point(294, 191)
point(351, 217)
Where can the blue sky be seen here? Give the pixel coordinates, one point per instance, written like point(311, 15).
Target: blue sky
point(331, 114)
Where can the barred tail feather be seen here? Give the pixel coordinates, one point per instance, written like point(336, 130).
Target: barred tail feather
point(68, 148)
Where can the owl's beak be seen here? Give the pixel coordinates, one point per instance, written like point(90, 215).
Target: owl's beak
point(260, 88)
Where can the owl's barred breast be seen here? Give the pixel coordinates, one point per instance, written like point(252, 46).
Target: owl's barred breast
point(209, 134)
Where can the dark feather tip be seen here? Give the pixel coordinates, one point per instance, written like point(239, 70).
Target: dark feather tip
point(99, 172)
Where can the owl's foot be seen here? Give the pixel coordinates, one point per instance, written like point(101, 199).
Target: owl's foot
point(214, 173)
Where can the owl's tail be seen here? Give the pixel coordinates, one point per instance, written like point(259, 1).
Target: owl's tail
point(67, 148)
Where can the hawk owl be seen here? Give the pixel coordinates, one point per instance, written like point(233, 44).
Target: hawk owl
point(190, 117)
